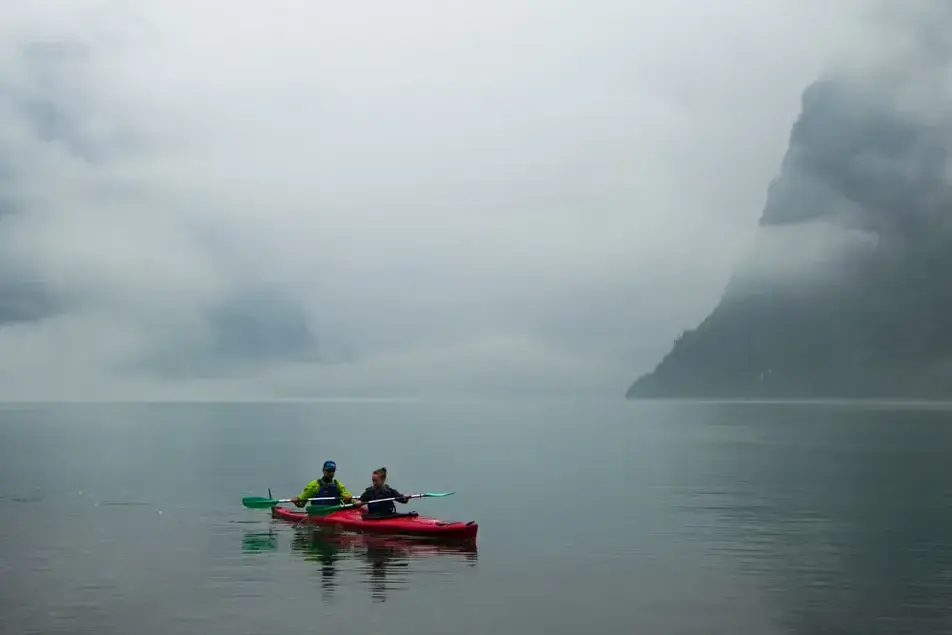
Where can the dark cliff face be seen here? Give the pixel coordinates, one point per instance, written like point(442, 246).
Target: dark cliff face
point(876, 321)
point(852, 154)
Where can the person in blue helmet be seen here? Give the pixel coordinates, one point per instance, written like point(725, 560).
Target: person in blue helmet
point(325, 487)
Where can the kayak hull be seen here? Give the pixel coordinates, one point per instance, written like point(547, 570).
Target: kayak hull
point(353, 520)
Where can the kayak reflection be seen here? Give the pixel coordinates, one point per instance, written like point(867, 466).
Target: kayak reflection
point(385, 560)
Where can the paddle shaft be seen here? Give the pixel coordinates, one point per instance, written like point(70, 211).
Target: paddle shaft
point(322, 498)
point(257, 502)
point(387, 500)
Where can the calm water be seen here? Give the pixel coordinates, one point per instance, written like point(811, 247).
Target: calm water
point(634, 518)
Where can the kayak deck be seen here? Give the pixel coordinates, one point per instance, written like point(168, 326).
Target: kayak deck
point(353, 520)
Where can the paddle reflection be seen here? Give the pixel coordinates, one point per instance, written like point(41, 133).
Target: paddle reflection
point(384, 562)
point(256, 541)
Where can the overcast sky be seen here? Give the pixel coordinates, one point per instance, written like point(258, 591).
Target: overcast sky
point(493, 197)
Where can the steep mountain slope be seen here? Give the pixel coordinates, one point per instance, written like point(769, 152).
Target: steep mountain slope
point(874, 319)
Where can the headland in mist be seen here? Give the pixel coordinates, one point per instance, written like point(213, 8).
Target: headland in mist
point(846, 292)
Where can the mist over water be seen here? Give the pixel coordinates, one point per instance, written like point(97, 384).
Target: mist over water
point(647, 517)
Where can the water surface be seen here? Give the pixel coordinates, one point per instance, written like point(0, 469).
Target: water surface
point(594, 516)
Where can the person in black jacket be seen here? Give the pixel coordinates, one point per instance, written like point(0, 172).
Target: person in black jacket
point(380, 490)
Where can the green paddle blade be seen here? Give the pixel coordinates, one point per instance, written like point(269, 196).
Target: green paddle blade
point(321, 510)
point(259, 502)
point(258, 541)
point(438, 494)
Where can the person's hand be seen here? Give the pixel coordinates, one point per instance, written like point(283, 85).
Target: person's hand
point(358, 503)
point(298, 502)
point(347, 498)
point(404, 499)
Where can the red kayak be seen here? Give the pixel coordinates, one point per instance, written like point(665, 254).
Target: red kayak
point(353, 520)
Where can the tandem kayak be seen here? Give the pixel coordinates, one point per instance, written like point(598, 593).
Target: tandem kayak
point(415, 525)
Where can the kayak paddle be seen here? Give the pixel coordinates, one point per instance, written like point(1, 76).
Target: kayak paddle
point(260, 502)
point(322, 509)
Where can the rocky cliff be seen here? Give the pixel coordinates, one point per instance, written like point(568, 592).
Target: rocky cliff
point(871, 316)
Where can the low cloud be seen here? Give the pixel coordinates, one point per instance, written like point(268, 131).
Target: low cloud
point(381, 199)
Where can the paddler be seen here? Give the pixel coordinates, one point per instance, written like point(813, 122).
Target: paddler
point(325, 487)
point(380, 490)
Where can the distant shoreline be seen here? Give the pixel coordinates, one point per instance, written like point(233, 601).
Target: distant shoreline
point(944, 403)
point(897, 402)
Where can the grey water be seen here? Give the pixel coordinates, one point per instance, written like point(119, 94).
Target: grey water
point(594, 516)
